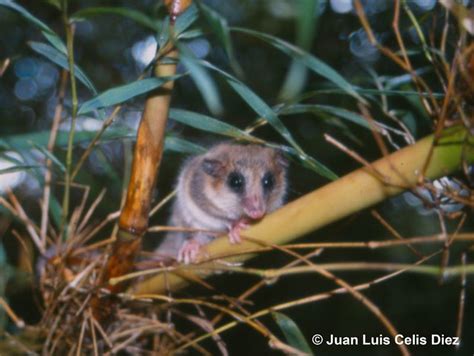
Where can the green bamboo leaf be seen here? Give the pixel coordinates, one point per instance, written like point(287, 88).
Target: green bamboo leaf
point(55, 41)
point(292, 332)
point(335, 111)
point(3, 262)
point(256, 103)
point(4, 276)
point(28, 16)
point(56, 210)
point(186, 19)
point(106, 169)
point(313, 63)
point(403, 93)
point(311, 163)
point(191, 34)
point(207, 123)
point(203, 81)
point(60, 59)
point(41, 138)
point(123, 93)
point(55, 3)
point(52, 37)
point(18, 168)
point(183, 22)
point(397, 81)
point(306, 24)
point(266, 112)
point(137, 16)
point(220, 28)
point(173, 143)
point(49, 155)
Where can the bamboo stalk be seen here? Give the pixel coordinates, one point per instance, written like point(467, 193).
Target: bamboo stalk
point(133, 221)
point(146, 162)
point(349, 194)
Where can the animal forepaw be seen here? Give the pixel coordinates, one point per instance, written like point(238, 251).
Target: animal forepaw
point(188, 253)
point(235, 229)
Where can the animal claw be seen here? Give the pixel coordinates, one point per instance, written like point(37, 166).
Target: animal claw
point(234, 233)
point(188, 253)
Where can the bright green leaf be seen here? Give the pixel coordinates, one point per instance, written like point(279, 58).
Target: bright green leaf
point(292, 332)
point(183, 22)
point(203, 81)
point(60, 59)
point(313, 63)
point(173, 143)
point(17, 169)
point(306, 24)
point(220, 27)
point(123, 93)
point(137, 16)
point(206, 123)
point(41, 138)
point(335, 111)
point(52, 37)
point(50, 156)
point(266, 112)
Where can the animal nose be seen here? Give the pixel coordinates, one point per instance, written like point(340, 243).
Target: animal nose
point(254, 207)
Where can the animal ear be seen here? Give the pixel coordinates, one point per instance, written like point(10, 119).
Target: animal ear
point(281, 159)
point(213, 167)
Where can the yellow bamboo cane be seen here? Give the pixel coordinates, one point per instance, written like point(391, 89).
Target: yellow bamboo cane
point(354, 192)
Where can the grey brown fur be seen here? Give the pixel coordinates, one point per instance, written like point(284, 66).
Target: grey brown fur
point(205, 201)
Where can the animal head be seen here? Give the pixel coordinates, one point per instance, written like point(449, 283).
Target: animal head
point(245, 180)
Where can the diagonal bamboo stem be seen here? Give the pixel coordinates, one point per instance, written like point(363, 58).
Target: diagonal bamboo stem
point(349, 194)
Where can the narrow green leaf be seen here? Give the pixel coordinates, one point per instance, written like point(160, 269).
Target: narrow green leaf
point(311, 163)
point(266, 112)
point(55, 3)
point(107, 169)
point(49, 155)
point(27, 15)
point(191, 34)
point(306, 24)
point(262, 109)
point(3, 262)
point(292, 332)
point(313, 63)
point(256, 103)
point(207, 123)
point(335, 111)
point(4, 276)
point(55, 41)
point(41, 138)
point(203, 81)
point(220, 27)
point(60, 59)
point(137, 16)
point(183, 22)
point(186, 19)
point(397, 81)
point(123, 93)
point(173, 143)
point(18, 168)
point(56, 210)
point(402, 93)
point(52, 37)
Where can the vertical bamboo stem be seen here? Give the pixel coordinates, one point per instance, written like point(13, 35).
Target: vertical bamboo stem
point(133, 221)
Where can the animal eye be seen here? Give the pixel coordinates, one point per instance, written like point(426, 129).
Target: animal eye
point(236, 182)
point(268, 181)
